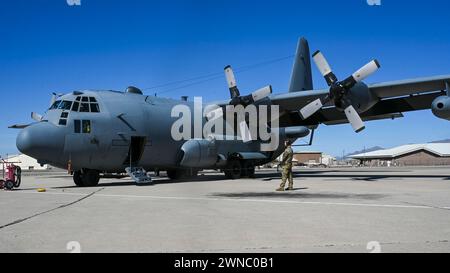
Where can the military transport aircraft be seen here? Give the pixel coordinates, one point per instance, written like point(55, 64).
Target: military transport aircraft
point(93, 132)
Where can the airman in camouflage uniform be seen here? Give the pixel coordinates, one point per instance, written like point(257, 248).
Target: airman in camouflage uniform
point(286, 164)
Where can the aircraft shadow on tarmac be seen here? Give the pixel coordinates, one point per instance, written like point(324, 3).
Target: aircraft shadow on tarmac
point(269, 177)
point(346, 175)
point(296, 194)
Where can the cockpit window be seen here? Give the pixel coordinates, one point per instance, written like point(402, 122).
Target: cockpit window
point(84, 107)
point(75, 106)
point(94, 108)
point(81, 104)
point(65, 105)
point(55, 105)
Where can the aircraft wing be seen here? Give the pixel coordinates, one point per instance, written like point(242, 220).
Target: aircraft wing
point(408, 87)
point(395, 98)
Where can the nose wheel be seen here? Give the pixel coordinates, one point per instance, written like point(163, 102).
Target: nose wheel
point(86, 178)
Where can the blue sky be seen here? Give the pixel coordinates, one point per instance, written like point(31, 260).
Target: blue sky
point(48, 46)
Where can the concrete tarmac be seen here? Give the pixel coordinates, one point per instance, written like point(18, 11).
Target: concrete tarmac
point(330, 210)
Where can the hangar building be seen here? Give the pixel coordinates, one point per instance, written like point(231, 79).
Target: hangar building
point(432, 154)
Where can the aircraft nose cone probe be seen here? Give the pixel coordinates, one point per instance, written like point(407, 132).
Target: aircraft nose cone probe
point(43, 141)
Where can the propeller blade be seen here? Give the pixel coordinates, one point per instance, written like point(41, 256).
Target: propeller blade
point(324, 68)
point(19, 126)
point(354, 119)
point(262, 93)
point(245, 132)
point(231, 81)
point(36, 116)
point(366, 71)
point(53, 99)
point(310, 109)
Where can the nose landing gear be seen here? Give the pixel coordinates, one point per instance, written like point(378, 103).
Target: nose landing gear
point(86, 178)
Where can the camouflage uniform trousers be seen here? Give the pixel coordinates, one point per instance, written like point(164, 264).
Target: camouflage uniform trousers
point(287, 175)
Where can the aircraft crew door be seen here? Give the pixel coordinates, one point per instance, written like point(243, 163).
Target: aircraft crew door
point(136, 149)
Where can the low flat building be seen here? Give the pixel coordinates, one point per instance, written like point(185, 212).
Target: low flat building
point(26, 163)
point(432, 154)
point(308, 157)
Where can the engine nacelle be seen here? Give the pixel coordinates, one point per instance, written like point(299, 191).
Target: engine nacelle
point(362, 98)
point(199, 153)
point(295, 132)
point(441, 107)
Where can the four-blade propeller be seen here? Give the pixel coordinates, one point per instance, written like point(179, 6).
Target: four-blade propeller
point(236, 98)
point(339, 91)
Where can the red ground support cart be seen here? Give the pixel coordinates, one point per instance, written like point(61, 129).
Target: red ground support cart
point(12, 175)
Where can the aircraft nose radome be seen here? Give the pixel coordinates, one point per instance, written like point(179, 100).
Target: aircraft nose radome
point(23, 141)
point(41, 140)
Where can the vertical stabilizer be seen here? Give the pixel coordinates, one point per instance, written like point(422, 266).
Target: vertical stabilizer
point(301, 78)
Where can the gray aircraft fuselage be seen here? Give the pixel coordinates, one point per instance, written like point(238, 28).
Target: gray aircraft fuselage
point(97, 134)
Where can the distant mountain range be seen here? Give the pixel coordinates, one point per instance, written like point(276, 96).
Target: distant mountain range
point(376, 148)
point(441, 141)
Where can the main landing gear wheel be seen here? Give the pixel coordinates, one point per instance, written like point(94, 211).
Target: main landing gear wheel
point(86, 178)
point(233, 169)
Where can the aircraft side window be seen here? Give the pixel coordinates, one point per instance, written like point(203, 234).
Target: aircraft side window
point(84, 107)
point(86, 126)
point(63, 118)
point(77, 126)
point(75, 106)
point(92, 99)
point(78, 99)
point(55, 105)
